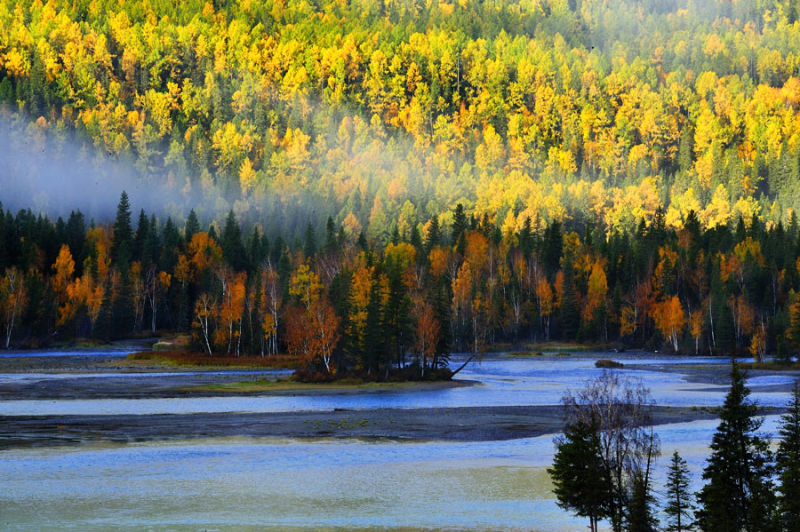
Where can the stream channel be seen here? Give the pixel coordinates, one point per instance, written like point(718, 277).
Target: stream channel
point(245, 482)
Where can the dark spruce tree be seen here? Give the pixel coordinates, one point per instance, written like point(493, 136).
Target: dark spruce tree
point(123, 318)
point(310, 244)
point(787, 461)
point(397, 319)
point(738, 494)
point(374, 342)
point(141, 240)
point(552, 249)
point(460, 223)
point(679, 499)
point(191, 227)
point(122, 239)
point(231, 244)
point(434, 235)
point(416, 240)
point(526, 238)
point(75, 238)
point(639, 516)
point(257, 249)
point(331, 242)
point(580, 480)
point(569, 314)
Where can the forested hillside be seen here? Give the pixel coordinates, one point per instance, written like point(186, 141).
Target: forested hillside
point(384, 112)
point(345, 303)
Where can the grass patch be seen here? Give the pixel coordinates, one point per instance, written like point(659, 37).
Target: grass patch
point(531, 348)
point(532, 354)
point(773, 365)
point(290, 385)
point(84, 343)
point(174, 358)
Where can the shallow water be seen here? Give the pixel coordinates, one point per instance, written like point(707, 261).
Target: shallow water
point(280, 484)
point(13, 378)
point(241, 483)
point(502, 382)
point(104, 352)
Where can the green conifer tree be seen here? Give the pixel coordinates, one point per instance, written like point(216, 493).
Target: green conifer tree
point(232, 248)
point(122, 240)
point(330, 236)
point(460, 223)
point(580, 480)
point(787, 461)
point(310, 244)
point(434, 235)
point(141, 240)
point(192, 226)
point(639, 515)
point(679, 499)
point(738, 494)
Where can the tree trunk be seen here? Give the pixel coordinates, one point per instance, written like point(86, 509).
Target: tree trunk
point(462, 366)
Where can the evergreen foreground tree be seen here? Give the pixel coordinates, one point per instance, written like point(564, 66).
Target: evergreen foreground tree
point(580, 479)
point(787, 463)
point(738, 494)
point(639, 515)
point(679, 502)
point(603, 462)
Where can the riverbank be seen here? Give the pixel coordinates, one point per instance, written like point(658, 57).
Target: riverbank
point(344, 386)
point(195, 361)
point(466, 424)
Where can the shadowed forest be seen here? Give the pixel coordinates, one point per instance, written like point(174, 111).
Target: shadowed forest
point(374, 184)
point(343, 302)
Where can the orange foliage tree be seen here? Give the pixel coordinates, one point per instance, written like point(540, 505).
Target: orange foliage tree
point(230, 310)
point(312, 333)
point(544, 297)
point(63, 269)
point(427, 333)
point(596, 294)
point(669, 319)
point(13, 298)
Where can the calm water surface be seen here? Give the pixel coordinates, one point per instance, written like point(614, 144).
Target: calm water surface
point(243, 484)
point(501, 382)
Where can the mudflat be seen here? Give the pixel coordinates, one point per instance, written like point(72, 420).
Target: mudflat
point(82, 376)
point(413, 424)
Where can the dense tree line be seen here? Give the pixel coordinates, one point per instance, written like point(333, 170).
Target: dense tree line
point(603, 461)
point(344, 301)
point(372, 112)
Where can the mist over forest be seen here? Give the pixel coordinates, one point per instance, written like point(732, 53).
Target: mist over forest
point(384, 113)
point(370, 194)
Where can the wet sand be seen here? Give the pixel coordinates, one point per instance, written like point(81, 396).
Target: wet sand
point(448, 424)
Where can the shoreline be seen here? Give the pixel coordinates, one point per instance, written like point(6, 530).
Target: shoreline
point(462, 424)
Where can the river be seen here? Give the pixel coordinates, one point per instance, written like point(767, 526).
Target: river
point(257, 483)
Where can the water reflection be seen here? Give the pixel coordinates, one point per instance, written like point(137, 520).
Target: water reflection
point(279, 484)
point(284, 483)
point(502, 382)
point(241, 483)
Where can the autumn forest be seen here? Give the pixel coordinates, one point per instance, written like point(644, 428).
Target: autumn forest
point(372, 185)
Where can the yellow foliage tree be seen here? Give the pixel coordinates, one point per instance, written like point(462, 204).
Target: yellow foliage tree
point(669, 319)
